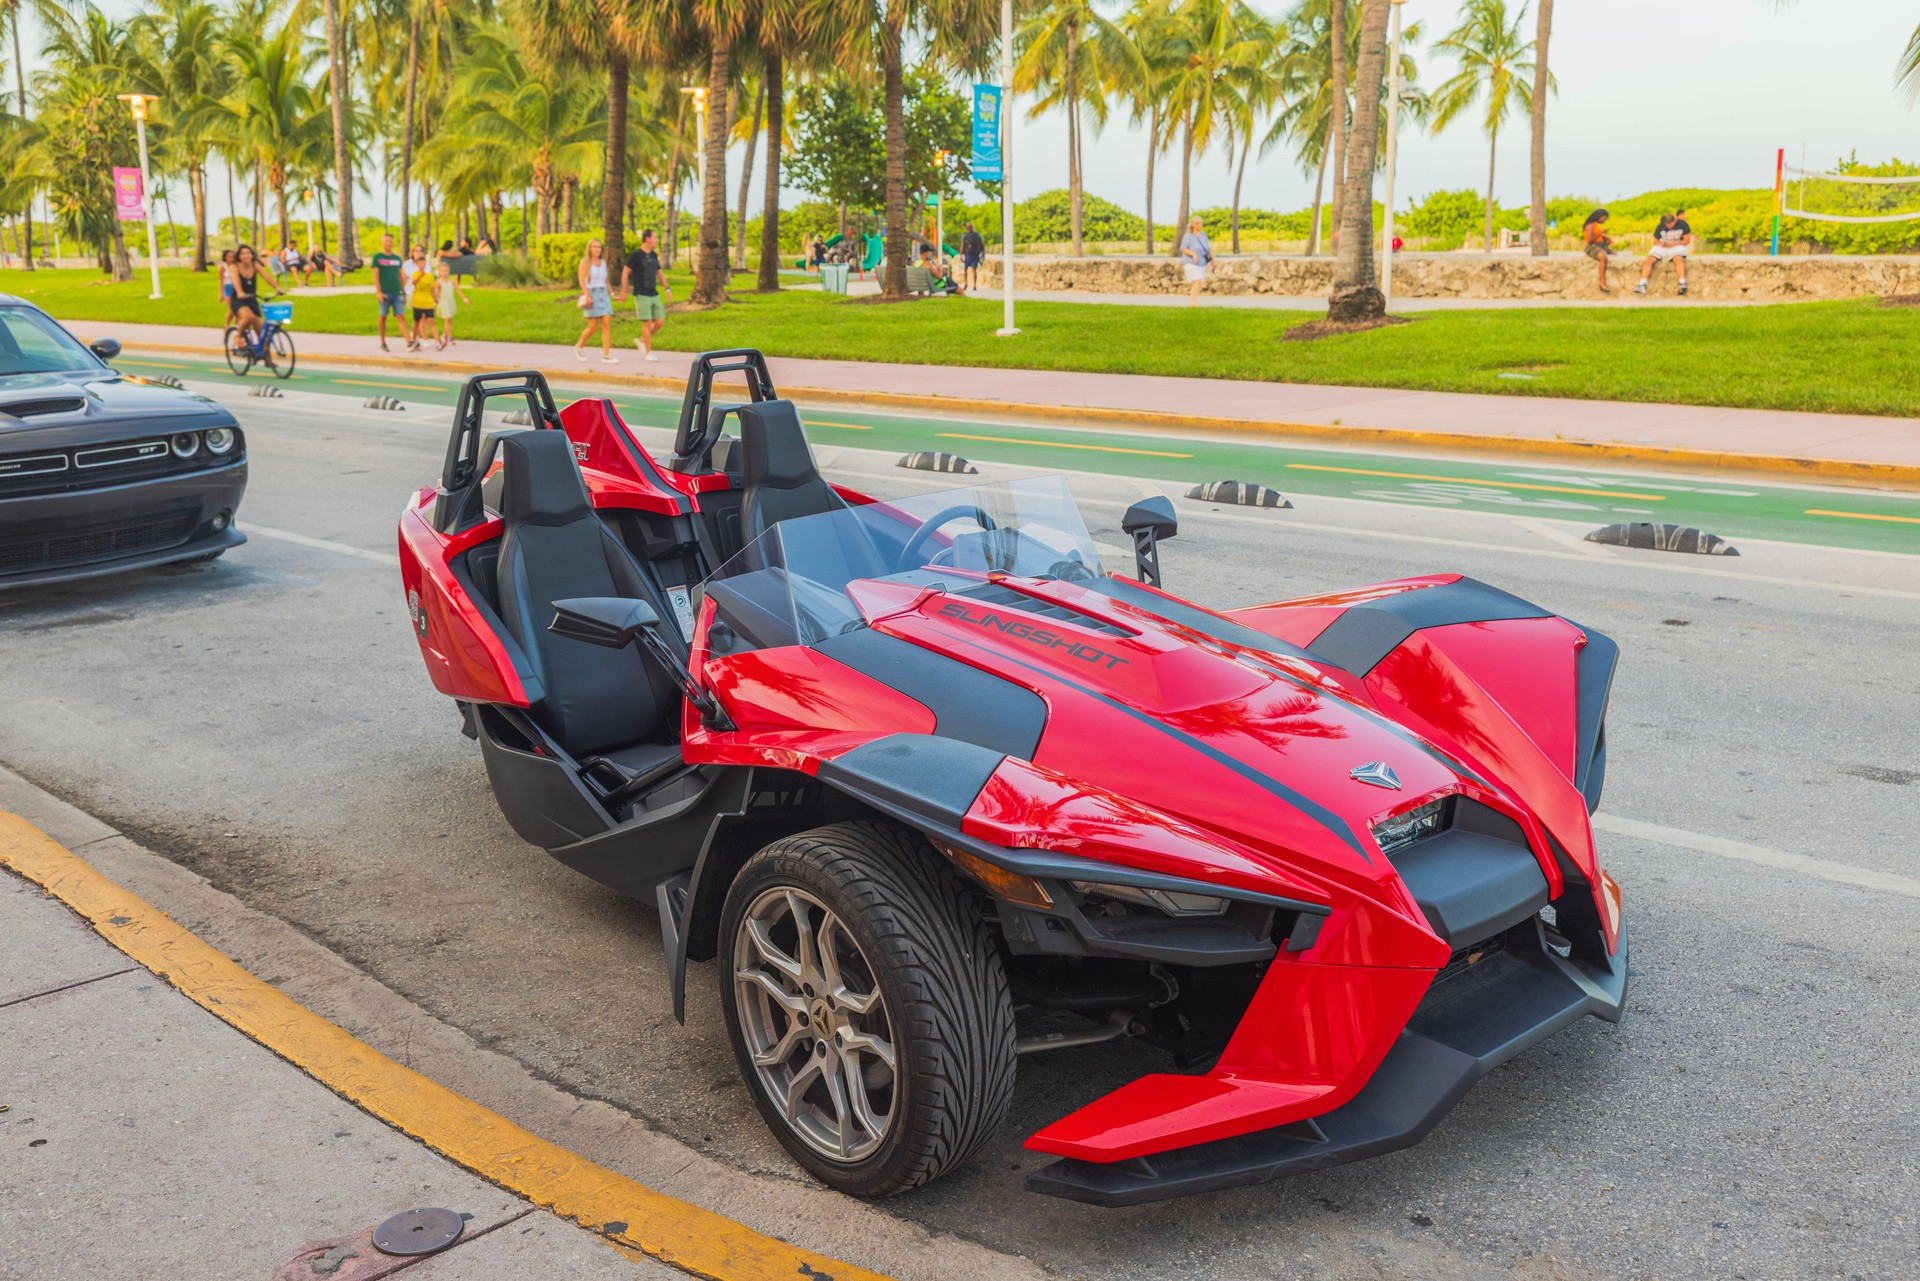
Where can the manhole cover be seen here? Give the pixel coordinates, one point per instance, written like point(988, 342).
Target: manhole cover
point(418, 1232)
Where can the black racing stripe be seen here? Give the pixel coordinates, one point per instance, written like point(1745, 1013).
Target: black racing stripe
point(936, 778)
point(1243, 637)
point(1593, 671)
point(1367, 632)
point(1306, 805)
point(968, 704)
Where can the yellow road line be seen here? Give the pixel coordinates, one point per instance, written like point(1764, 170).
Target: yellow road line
point(1491, 484)
point(1059, 444)
point(150, 364)
point(356, 382)
point(626, 1213)
point(822, 422)
point(1905, 520)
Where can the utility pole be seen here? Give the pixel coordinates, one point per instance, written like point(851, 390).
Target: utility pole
point(1007, 327)
point(139, 101)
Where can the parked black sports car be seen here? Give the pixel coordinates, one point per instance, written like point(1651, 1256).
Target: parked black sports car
point(101, 472)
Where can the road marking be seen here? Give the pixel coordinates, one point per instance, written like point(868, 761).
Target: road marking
point(1491, 484)
point(359, 382)
point(1059, 444)
point(626, 1213)
point(323, 544)
point(1839, 873)
point(822, 422)
point(1905, 520)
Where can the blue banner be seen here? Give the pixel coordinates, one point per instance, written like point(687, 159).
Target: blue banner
point(986, 133)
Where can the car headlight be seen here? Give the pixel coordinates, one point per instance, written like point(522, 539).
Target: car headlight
point(186, 444)
point(221, 440)
point(1172, 902)
point(1397, 831)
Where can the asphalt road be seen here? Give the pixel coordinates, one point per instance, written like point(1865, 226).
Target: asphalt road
point(266, 720)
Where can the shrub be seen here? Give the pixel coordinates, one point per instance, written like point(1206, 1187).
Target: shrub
point(559, 256)
point(511, 270)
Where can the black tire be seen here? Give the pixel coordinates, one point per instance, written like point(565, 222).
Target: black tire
point(944, 998)
point(240, 362)
point(280, 355)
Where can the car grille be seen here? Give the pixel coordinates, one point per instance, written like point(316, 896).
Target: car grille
point(137, 451)
point(51, 551)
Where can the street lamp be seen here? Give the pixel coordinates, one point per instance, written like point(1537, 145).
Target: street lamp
point(1007, 328)
point(940, 158)
point(138, 102)
point(1393, 138)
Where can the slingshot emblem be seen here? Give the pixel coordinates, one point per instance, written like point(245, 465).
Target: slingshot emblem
point(1379, 773)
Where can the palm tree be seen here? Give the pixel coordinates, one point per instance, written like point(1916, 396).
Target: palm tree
point(1069, 53)
point(721, 25)
point(788, 31)
point(1537, 215)
point(1212, 43)
point(12, 10)
point(83, 130)
point(274, 112)
point(183, 46)
point(1356, 284)
point(338, 79)
point(1143, 81)
point(1263, 83)
point(1493, 60)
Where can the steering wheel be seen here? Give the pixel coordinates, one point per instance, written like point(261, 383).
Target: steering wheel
point(910, 554)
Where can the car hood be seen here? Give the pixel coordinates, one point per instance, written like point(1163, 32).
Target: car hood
point(85, 407)
point(1261, 747)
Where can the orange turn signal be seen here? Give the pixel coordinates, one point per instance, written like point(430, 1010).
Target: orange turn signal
point(998, 881)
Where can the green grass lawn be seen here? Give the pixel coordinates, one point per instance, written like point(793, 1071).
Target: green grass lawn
point(1846, 357)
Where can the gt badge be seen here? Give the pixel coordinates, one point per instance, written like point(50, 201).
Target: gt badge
point(1379, 773)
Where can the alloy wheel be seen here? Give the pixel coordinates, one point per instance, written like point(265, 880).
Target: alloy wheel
point(816, 1026)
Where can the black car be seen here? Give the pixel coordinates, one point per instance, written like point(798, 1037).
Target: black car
point(101, 472)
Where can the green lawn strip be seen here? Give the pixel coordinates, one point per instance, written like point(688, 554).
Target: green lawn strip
point(1841, 357)
point(1732, 509)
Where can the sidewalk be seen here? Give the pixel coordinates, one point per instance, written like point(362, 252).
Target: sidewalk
point(1826, 448)
point(144, 1137)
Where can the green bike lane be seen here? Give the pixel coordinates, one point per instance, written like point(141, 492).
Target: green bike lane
point(1873, 520)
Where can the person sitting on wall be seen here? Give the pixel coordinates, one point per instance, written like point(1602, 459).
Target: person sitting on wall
point(1671, 243)
point(1596, 243)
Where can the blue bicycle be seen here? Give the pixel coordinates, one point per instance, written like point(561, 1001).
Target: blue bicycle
point(272, 346)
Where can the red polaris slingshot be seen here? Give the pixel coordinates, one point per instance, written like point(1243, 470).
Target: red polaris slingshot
point(909, 769)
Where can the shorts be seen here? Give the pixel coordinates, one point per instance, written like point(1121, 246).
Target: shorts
point(422, 313)
point(1195, 271)
point(1596, 250)
point(649, 307)
point(392, 305)
point(1666, 253)
point(245, 304)
point(971, 262)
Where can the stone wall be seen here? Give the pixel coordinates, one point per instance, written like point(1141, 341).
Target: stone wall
point(1725, 277)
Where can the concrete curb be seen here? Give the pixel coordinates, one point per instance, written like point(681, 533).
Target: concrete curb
point(1826, 471)
point(626, 1213)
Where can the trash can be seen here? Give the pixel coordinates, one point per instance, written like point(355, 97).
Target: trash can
point(833, 277)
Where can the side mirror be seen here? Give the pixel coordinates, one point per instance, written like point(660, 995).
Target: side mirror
point(105, 348)
point(1147, 522)
point(612, 621)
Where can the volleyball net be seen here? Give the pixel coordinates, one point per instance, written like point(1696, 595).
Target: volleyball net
point(1853, 194)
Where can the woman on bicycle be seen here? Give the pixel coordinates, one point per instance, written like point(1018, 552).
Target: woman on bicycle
point(595, 302)
point(247, 271)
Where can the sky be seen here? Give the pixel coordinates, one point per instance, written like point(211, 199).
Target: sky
point(1652, 94)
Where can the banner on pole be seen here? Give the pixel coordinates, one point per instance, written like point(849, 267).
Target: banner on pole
point(129, 198)
point(986, 133)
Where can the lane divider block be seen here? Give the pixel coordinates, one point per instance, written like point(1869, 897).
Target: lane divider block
point(937, 460)
point(381, 402)
point(1657, 536)
point(1240, 492)
point(266, 391)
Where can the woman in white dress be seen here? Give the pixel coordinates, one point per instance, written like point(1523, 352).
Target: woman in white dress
point(595, 302)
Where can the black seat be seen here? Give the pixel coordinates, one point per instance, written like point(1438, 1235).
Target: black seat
point(777, 469)
point(613, 710)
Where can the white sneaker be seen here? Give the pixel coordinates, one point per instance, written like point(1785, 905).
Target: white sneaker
point(1640, 288)
point(579, 355)
point(639, 346)
point(609, 360)
point(655, 359)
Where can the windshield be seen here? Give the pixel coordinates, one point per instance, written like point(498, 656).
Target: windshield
point(797, 584)
point(31, 343)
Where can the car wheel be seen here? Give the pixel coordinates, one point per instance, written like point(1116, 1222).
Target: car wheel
point(867, 1006)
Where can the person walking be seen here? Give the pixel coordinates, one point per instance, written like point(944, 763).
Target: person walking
point(1198, 252)
point(641, 277)
point(595, 302)
point(388, 286)
point(447, 304)
point(423, 296)
point(1598, 243)
point(973, 248)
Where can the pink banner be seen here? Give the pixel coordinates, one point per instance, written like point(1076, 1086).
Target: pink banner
point(129, 200)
